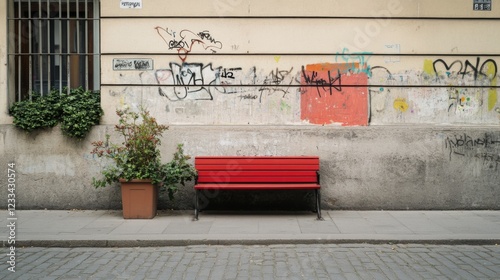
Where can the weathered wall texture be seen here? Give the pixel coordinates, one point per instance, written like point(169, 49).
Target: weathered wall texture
point(386, 167)
point(334, 63)
point(399, 99)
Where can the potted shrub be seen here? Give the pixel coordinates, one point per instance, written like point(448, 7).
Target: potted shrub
point(136, 164)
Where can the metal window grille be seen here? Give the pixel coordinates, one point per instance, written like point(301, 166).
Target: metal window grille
point(53, 45)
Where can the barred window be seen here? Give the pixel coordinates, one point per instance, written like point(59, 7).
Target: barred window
point(53, 44)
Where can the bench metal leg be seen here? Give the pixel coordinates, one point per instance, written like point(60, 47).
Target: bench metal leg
point(196, 205)
point(318, 204)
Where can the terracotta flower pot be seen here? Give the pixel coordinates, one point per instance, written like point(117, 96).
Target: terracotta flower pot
point(139, 199)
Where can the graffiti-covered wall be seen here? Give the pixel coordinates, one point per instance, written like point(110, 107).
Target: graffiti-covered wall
point(398, 98)
point(336, 63)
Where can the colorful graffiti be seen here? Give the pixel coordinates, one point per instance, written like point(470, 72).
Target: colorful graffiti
point(348, 89)
point(343, 93)
point(325, 101)
point(480, 72)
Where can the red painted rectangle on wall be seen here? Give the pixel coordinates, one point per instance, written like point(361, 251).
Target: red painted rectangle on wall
point(324, 99)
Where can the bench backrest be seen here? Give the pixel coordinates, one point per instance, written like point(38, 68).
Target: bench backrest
point(227, 170)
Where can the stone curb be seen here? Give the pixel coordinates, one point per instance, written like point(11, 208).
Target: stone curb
point(246, 242)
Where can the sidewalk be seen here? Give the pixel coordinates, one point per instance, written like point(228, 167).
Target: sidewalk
point(77, 228)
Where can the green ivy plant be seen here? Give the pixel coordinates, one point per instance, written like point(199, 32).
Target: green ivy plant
point(77, 112)
point(81, 110)
point(39, 112)
point(138, 156)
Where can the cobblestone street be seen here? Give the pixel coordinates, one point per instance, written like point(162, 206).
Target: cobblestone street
point(349, 261)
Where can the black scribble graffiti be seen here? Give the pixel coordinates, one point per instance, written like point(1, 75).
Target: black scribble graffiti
point(485, 148)
point(227, 78)
point(333, 82)
point(195, 81)
point(228, 73)
point(466, 68)
point(277, 81)
point(185, 40)
point(383, 69)
point(205, 35)
point(190, 80)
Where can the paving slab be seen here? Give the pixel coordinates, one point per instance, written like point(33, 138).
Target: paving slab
point(77, 228)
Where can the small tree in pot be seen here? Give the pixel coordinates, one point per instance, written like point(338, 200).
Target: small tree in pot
point(137, 164)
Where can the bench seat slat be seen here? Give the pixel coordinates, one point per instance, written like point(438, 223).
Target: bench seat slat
point(257, 161)
point(268, 173)
point(256, 167)
point(256, 179)
point(260, 186)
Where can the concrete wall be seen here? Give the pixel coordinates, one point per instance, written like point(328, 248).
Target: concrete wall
point(388, 167)
point(398, 98)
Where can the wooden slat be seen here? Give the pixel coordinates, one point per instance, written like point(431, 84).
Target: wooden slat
point(284, 179)
point(256, 167)
point(246, 173)
point(256, 157)
point(256, 161)
point(256, 186)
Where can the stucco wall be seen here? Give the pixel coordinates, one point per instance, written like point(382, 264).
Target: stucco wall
point(327, 63)
point(398, 98)
point(387, 167)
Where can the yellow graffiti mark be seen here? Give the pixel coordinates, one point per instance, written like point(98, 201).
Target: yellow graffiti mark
point(492, 92)
point(277, 58)
point(400, 104)
point(429, 67)
point(492, 99)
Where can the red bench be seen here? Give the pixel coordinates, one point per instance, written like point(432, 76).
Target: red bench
point(257, 173)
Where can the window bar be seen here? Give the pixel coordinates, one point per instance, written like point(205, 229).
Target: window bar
point(68, 50)
point(96, 46)
point(77, 26)
point(49, 50)
point(40, 49)
point(60, 47)
point(19, 51)
point(30, 45)
point(86, 46)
